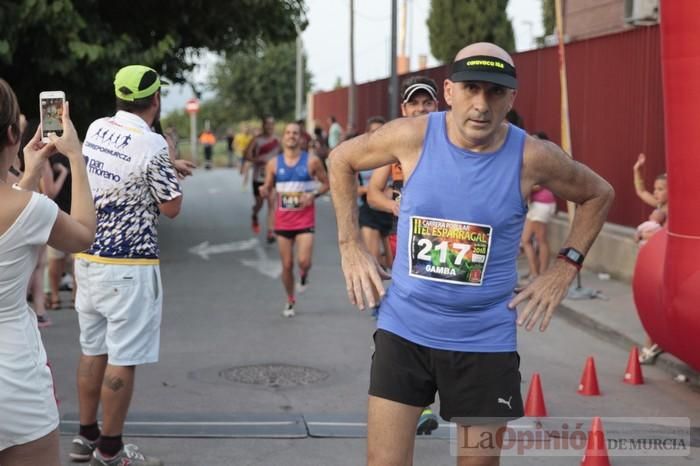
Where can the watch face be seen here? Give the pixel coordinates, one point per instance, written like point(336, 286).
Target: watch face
point(573, 255)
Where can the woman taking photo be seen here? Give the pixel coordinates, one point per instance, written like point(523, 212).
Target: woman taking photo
point(28, 221)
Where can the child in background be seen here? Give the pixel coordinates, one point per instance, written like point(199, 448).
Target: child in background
point(646, 230)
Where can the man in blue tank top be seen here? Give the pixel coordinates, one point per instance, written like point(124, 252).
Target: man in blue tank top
point(448, 322)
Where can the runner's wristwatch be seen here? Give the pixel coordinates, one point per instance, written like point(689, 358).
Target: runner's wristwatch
point(572, 256)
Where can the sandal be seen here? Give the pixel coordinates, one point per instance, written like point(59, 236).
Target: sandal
point(43, 321)
point(649, 355)
point(54, 305)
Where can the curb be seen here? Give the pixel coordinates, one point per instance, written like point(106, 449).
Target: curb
point(670, 364)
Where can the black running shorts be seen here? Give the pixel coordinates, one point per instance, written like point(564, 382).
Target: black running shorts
point(291, 234)
point(471, 385)
point(375, 219)
point(256, 188)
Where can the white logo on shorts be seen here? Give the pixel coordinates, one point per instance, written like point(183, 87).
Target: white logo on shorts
point(504, 402)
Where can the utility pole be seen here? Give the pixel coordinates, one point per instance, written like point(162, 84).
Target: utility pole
point(403, 65)
point(351, 90)
point(298, 104)
point(394, 80)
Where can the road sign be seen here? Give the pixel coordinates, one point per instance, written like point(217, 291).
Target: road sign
point(192, 106)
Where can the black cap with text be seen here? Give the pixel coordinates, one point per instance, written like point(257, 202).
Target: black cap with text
point(485, 68)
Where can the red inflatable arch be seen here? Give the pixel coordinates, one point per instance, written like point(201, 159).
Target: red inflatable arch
point(667, 274)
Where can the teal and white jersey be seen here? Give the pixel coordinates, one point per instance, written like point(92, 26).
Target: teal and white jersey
point(130, 174)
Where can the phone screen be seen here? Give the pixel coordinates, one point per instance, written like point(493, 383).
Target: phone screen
point(51, 116)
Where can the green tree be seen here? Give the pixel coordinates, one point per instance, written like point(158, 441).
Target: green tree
point(452, 24)
point(549, 20)
point(180, 120)
point(251, 85)
point(78, 45)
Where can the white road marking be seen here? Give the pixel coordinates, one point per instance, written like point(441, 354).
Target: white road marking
point(269, 267)
point(204, 250)
point(202, 423)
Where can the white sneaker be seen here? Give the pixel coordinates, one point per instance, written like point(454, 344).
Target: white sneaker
point(288, 310)
point(129, 455)
point(303, 284)
point(66, 283)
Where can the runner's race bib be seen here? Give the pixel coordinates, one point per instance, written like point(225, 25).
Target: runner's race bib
point(448, 251)
point(290, 201)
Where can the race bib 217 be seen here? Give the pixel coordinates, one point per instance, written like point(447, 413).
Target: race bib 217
point(448, 251)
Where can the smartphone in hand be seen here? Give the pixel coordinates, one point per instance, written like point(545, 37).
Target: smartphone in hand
point(51, 112)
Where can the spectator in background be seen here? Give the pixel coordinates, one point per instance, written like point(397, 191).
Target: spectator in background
point(51, 188)
point(184, 168)
point(14, 172)
point(207, 140)
point(60, 262)
point(241, 141)
point(351, 132)
point(229, 147)
point(659, 200)
point(335, 132)
point(542, 207)
point(305, 136)
point(514, 117)
point(28, 411)
point(646, 230)
point(319, 144)
point(173, 140)
point(120, 294)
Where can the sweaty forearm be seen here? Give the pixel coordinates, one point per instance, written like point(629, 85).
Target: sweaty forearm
point(589, 219)
point(343, 182)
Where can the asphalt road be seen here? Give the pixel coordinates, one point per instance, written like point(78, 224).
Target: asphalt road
point(238, 384)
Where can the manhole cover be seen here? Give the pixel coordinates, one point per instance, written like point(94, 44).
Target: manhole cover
point(274, 375)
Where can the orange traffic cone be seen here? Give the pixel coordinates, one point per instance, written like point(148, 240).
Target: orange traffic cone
point(596, 451)
point(633, 374)
point(589, 380)
point(534, 406)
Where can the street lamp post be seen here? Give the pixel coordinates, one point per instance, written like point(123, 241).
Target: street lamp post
point(394, 80)
point(298, 104)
